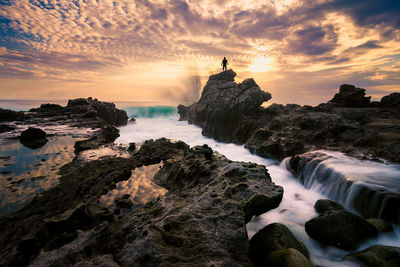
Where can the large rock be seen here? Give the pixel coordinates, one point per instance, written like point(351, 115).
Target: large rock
point(324, 205)
point(289, 257)
point(107, 111)
point(273, 237)
point(33, 138)
point(259, 204)
point(376, 256)
point(392, 100)
point(340, 228)
point(350, 96)
point(381, 226)
point(10, 115)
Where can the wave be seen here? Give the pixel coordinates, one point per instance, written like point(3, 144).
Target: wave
point(151, 112)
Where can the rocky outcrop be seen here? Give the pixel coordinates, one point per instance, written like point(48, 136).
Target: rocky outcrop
point(324, 205)
point(381, 226)
point(273, 238)
point(33, 138)
point(10, 115)
point(392, 100)
point(348, 123)
point(199, 221)
point(350, 96)
point(376, 256)
point(340, 228)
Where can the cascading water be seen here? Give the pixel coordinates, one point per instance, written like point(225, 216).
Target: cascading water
point(368, 187)
point(298, 201)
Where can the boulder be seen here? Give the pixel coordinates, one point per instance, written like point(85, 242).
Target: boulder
point(33, 138)
point(259, 204)
point(392, 100)
point(228, 75)
point(381, 225)
point(287, 258)
point(273, 237)
point(124, 201)
point(350, 96)
point(6, 128)
point(340, 228)
point(376, 256)
point(324, 205)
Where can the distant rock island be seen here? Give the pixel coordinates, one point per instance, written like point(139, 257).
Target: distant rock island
point(350, 122)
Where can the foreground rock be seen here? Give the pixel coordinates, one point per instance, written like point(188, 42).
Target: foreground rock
point(340, 228)
point(199, 221)
point(33, 138)
point(376, 256)
point(270, 244)
point(231, 112)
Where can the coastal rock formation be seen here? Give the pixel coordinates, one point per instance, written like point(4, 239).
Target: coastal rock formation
point(222, 102)
point(340, 228)
point(348, 123)
point(273, 238)
point(199, 221)
point(350, 96)
point(376, 256)
point(33, 138)
point(10, 115)
point(392, 100)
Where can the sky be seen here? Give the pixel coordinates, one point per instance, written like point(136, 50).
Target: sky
point(163, 51)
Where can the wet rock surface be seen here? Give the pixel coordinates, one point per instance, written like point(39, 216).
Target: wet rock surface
point(340, 228)
point(349, 123)
point(199, 221)
point(267, 246)
point(376, 256)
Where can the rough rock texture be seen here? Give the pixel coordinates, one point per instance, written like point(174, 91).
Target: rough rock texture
point(376, 256)
point(199, 221)
point(340, 228)
point(348, 124)
point(392, 100)
point(350, 96)
point(289, 257)
point(105, 136)
point(273, 237)
point(33, 138)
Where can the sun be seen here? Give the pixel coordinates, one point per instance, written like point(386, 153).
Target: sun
point(261, 64)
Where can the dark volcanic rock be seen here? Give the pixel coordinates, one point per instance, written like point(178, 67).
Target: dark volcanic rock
point(381, 226)
point(33, 138)
point(105, 110)
point(350, 96)
point(124, 201)
point(273, 237)
point(376, 256)
point(259, 204)
point(199, 221)
point(323, 205)
point(227, 114)
point(106, 135)
point(392, 100)
point(340, 228)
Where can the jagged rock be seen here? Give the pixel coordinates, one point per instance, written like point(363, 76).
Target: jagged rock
point(350, 96)
point(33, 138)
point(392, 100)
point(48, 108)
point(105, 110)
point(376, 256)
point(228, 75)
point(287, 258)
point(381, 226)
point(340, 228)
point(273, 237)
point(104, 136)
point(324, 205)
point(183, 112)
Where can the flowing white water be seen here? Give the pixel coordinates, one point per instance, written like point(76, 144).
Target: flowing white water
point(297, 205)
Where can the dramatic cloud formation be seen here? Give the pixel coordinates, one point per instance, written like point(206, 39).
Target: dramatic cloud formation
point(300, 51)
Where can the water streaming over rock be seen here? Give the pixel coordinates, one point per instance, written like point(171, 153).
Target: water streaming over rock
point(297, 205)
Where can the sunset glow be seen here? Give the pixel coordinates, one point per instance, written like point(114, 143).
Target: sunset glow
point(299, 51)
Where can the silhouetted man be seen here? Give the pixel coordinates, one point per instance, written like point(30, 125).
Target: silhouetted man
point(224, 63)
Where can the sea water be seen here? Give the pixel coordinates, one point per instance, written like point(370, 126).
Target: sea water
point(297, 206)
